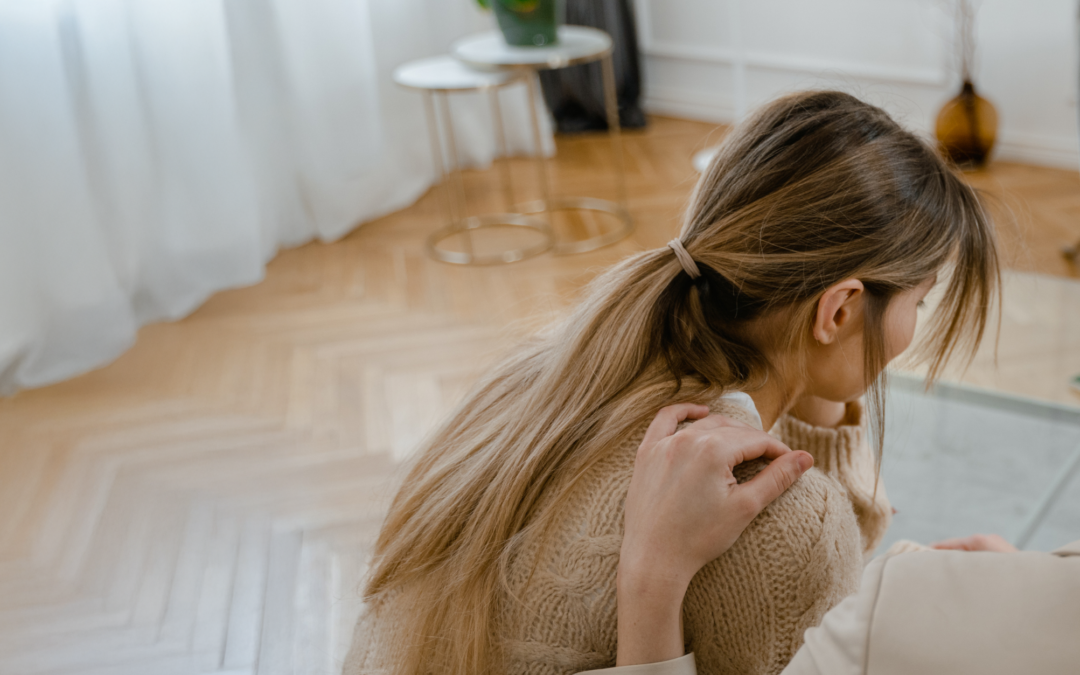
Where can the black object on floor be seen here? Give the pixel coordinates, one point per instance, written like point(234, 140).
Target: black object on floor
point(575, 95)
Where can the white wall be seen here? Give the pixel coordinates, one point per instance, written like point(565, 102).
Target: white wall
point(713, 59)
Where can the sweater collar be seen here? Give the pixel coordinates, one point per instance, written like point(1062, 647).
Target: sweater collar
point(743, 400)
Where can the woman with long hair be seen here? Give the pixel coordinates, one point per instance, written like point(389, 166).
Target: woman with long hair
point(810, 241)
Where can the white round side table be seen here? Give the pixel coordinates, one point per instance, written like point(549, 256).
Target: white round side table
point(576, 45)
point(437, 77)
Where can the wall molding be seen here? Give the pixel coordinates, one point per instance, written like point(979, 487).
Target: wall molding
point(721, 104)
point(1039, 149)
point(764, 60)
point(677, 103)
point(1057, 151)
point(928, 77)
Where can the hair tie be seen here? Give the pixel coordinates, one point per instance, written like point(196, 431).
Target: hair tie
point(687, 263)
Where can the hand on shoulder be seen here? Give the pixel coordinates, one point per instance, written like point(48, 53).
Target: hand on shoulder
point(684, 508)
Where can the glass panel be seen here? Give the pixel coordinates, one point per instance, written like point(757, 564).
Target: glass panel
point(961, 461)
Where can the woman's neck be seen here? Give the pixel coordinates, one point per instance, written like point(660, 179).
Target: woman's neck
point(772, 400)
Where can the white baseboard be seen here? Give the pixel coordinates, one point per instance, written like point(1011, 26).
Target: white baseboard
point(842, 68)
point(1023, 148)
point(687, 105)
point(1038, 149)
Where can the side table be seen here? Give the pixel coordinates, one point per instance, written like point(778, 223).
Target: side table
point(576, 45)
point(436, 77)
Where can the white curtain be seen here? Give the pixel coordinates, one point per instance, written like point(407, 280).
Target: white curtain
point(155, 151)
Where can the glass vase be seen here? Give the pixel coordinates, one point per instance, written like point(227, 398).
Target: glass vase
point(967, 128)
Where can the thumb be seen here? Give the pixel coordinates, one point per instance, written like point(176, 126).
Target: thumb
point(776, 478)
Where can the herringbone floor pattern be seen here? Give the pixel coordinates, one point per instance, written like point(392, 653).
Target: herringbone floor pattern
point(206, 503)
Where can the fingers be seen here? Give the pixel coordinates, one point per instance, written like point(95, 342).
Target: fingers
point(716, 422)
point(954, 544)
point(976, 542)
point(760, 444)
point(736, 443)
point(773, 481)
point(668, 419)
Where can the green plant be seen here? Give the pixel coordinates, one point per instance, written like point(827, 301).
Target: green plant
point(516, 5)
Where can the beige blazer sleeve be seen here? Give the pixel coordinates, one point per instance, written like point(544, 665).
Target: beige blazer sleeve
point(953, 613)
point(943, 613)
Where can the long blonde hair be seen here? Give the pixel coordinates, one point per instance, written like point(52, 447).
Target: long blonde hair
point(815, 188)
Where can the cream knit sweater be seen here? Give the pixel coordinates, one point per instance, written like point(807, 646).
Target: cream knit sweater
point(744, 613)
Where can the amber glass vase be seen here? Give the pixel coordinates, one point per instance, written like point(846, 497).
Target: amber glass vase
point(967, 128)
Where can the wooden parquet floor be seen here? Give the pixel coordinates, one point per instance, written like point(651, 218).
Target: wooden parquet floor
point(206, 503)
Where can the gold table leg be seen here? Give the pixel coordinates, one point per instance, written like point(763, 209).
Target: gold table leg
point(547, 204)
point(456, 200)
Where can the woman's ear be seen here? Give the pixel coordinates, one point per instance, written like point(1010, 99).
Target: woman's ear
point(836, 308)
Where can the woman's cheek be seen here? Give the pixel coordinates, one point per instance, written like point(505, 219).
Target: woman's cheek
point(841, 378)
point(901, 331)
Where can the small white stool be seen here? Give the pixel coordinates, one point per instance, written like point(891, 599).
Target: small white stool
point(436, 77)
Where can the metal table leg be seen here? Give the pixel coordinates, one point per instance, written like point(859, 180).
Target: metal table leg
point(456, 200)
point(548, 204)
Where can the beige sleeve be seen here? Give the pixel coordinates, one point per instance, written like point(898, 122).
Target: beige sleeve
point(684, 665)
point(842, 453)
point(951, 612)
point(838, 646)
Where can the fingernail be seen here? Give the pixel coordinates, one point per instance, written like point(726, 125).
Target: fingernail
point(805, 461)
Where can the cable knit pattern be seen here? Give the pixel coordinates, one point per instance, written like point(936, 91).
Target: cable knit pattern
point(843, 454)
point(744, 613)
